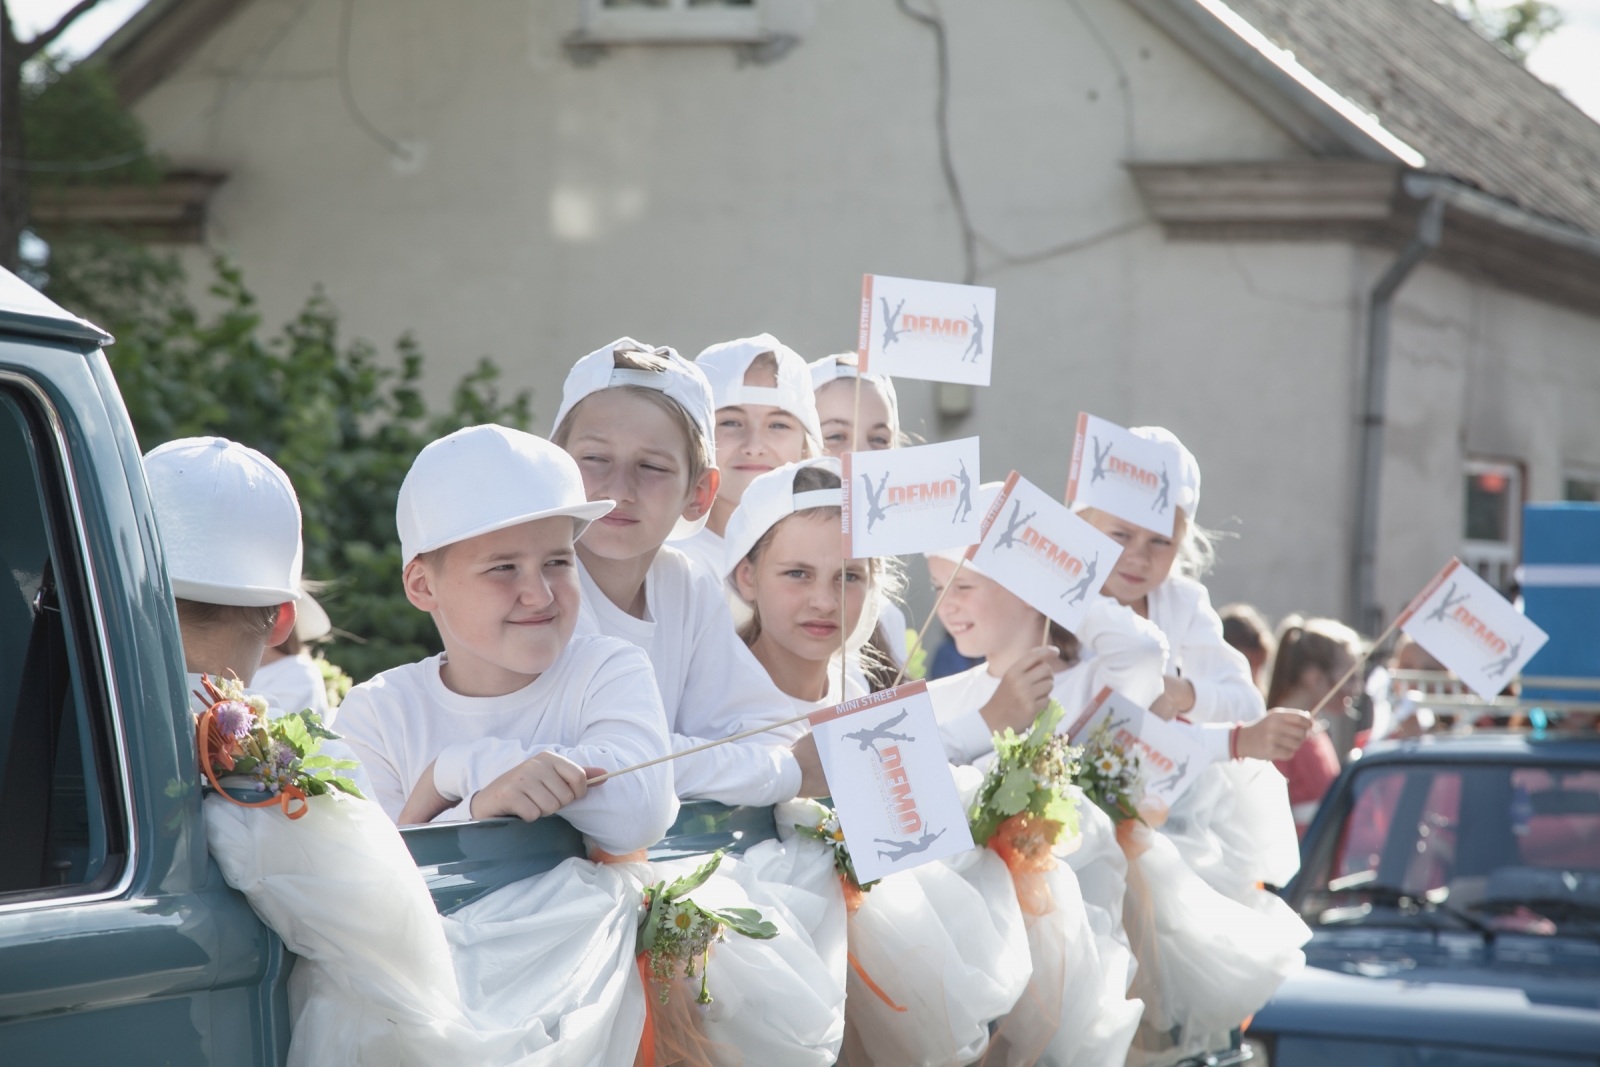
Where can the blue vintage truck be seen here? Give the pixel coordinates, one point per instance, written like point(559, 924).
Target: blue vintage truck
point(119, 941)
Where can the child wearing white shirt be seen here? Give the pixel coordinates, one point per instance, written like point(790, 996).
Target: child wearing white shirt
point(766, 416)
point(638, 421)
point(518, 712)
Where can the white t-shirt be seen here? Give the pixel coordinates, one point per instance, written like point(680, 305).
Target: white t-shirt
point(1117, 648)
point(596, 705)
point(854, 689)
point(293, 683)
point(706, 550)
point(1224, 692)
point(711, 686)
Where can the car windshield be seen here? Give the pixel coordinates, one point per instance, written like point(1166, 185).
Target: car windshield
point(1495, 848)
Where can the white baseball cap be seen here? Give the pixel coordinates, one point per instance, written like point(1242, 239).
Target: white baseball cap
point(1188, 495)
point(229, 522)
point(725, 366)
point(486, 478)
point(679, 379)
point(768, 500)
point(843, 365)
point(986, 497)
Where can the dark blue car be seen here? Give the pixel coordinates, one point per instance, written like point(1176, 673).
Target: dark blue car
point(1453, 887)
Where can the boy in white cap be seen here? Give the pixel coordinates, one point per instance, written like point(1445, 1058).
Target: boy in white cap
point(230, 531)
point(765, 417)
point(638, 420)
point(519, 711)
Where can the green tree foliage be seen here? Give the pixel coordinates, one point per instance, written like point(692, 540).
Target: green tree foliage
point(344, 423)
point(1517, 28)
point(76, 130)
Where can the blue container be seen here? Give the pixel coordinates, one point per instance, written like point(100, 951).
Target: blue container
point(1561, 592)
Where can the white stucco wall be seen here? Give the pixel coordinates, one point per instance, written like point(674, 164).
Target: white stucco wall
point(677, 195)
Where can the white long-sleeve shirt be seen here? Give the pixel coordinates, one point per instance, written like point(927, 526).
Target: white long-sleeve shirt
point(1224, 692)
point(293, 683)
point(707, 550)
point(1117, 648)
point(596, 705)
point(711, 685)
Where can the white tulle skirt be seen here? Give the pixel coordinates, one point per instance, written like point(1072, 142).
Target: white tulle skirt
point(541, 972)
point(778, 1001)
point(1206, 961)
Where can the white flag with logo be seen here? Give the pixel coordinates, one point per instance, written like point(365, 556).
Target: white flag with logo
point(1127, 476)
point(1171, 755)
point(903, 500)
point(1470, 628)
point(1039, 550)
point(932, 330)
point(890, 781)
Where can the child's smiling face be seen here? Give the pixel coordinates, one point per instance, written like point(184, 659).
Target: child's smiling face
point(505, 603)
point(631, 451)
point(980, 615)
point(1147, 557)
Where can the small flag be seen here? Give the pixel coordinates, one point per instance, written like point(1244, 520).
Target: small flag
point(1127, 476)
point(1042, 552)
point(1470, 628)
point(931, 330)
point(903, 500)
point(890, 781)
point(1171, 754)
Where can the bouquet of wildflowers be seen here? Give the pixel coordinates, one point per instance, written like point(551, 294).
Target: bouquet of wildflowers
point(674, 931)
point(1023, 809)
point(1110, 777)
point(275, 757)
point(830, 833)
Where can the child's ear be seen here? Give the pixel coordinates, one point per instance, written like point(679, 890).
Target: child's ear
point(419, 589)
point(744, 576)
point(703, 494)
point(287, 613)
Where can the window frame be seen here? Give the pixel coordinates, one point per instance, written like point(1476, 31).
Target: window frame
point(65, 527)
point(675, 24)
point(1498, 558)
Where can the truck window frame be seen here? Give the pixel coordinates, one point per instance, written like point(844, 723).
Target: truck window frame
point(77, 586)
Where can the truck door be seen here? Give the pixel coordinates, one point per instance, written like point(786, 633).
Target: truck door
point(118, 941)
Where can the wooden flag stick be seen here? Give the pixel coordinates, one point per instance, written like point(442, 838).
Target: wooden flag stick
point(1356, 666)
point(916, 645)
point(844, 634)
point(699, 748)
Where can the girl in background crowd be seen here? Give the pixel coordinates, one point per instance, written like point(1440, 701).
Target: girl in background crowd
point(1313, 654)
point(1093, 1020)
point(766, 416)
point(1248, 631)
point(834, 380)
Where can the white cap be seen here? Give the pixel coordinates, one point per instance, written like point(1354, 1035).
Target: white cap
point(986, 495)
point(725, 366)
point(1188, 495)
point(829, 368)
point(486, 478)
point(229, 522)
point(768, 500)
point(310, 621)
point(679, 379)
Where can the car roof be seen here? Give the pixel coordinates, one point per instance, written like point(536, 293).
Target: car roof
point(25, 310)
point(1488, 747)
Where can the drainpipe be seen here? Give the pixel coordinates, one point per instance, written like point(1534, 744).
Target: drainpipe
point(1368, 617)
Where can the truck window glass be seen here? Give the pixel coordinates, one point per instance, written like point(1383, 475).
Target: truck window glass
point(55, 836)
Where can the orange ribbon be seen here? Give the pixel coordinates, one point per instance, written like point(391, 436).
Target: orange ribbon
point(206, 730)
point(865, 977)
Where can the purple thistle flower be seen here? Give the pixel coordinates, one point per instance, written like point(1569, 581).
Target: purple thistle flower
point(234, 719)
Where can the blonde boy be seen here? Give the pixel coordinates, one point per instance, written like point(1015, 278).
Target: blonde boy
point(638, 421)
point(518, 712)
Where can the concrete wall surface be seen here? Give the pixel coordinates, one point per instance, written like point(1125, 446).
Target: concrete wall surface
point(543, 202)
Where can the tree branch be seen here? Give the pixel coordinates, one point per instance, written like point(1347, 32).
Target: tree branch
point(48, 37)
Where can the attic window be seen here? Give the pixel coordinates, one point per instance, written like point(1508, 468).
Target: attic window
point(673, 21)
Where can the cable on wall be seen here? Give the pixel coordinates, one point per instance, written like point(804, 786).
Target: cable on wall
point(390, 145)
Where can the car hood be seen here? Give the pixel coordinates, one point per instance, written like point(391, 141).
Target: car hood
point(1420, 986)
